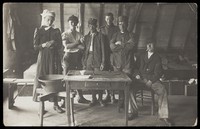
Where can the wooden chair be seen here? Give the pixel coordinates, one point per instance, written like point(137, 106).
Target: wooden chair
point(140, 94)
point(46, 96)
point(52, 85)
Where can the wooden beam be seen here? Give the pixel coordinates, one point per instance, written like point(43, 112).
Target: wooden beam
point(172, 29)
point(156, 23)
point(120, 9)
point(189, 33)
point(127, 13)
point(101, 14)
point(126, 9)
point(134, 18)
point(62, 25)
point(81, 17)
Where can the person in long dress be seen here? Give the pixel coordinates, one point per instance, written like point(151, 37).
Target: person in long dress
point(48, 41)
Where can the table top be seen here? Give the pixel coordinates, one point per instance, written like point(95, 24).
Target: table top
point(94, 76)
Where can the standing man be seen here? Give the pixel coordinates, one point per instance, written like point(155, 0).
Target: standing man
point(122, 44)
point(148, 74)
point(94, 56)
point(73, 49)
point(108, 30)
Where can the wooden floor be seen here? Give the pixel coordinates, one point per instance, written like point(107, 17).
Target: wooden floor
point(183, 111)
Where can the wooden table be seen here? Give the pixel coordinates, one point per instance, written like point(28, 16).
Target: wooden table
point(101, 80)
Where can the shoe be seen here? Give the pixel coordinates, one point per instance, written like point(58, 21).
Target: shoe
point(167, 121)
point(93, 103)
point(83, 100)
point(58, 109)
point(63, 105)
point(132, 116)
point(102, 103)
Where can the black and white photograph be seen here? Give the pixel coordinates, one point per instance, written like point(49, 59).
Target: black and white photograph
point(100, 64)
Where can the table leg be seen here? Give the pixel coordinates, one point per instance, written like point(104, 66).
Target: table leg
point(72, 111)
point(67, 103)
point(126, 93)
point(41, 112)
point(11, 90)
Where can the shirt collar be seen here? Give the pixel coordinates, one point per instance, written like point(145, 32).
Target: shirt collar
point(109, 26)
point(124, 32)
point(94, 33)
point(69, 30)
point(45, 27)
point(150, 53)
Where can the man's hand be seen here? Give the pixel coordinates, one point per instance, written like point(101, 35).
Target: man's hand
point(137, 76)
point(118, 43)
point(149, 83)
point(44, 45)
point(82, 39)
point(101, 67)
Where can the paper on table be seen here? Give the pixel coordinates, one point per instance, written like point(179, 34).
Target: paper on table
point(80, 76)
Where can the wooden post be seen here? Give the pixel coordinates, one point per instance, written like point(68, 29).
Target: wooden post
point(172, 30)
point(81, 17)
point(120, 9)
point(155, 26)
point(10, 95)
point(67, 103)
point(101, 12)
point(41, 112)
point(62, 24)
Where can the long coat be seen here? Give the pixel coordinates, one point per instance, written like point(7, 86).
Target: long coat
point(49, 60)
point(150, 69)
point(98, 49)
point(122, 54)
point(108, 31)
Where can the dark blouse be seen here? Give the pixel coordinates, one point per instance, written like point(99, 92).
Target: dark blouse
point(49, 59)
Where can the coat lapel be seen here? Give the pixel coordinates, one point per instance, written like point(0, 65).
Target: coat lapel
point(146, 58)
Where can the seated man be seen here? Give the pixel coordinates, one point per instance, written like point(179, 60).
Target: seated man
point(148, 74)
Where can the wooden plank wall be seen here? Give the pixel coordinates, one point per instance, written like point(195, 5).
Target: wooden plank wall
point(168, 23)
point(174, 25)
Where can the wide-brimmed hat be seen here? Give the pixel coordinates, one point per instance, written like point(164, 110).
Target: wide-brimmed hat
point(48, 13)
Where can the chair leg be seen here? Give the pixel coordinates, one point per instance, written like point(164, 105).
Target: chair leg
point(72, 111)
point(118, 107)
point(41, 112)
point(153, 104)
point(142, 96)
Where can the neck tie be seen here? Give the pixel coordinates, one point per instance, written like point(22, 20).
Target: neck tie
point(92, 40)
